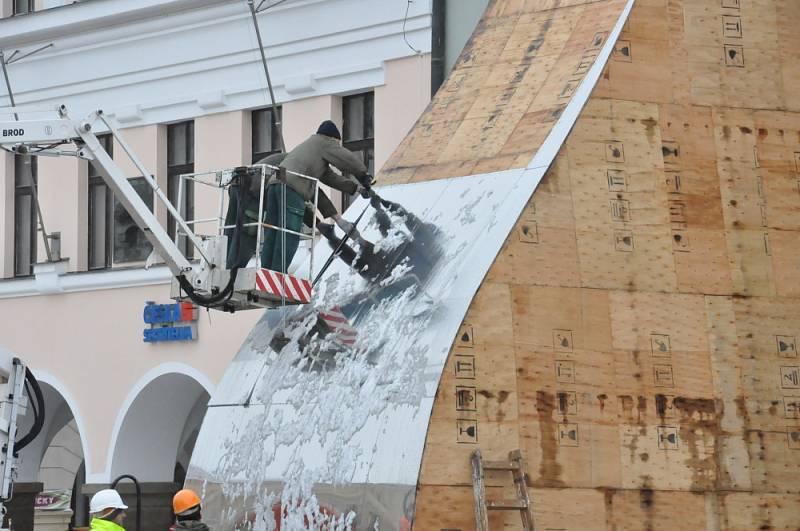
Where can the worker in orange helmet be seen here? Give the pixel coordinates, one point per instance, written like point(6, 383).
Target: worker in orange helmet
point(186, 505)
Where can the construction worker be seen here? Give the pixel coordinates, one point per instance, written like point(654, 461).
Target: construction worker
point(186, 505)
point(244, 194)
point(285, 202)
point(107, 510)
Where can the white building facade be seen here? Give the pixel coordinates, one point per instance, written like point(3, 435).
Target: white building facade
point(184, 81)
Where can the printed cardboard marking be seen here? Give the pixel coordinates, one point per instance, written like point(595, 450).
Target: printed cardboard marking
point(568, 434)
point(680, 240)
point(660, 345)
point(662, 376)
point(466, 431)
point(790, 377)
point(615, 151)
point(791, 407)
point(620, 210)
point(667, 437)
point(567, 402)
point(529, 232)
point(731, 27)
point(734, 55)
point(465, 366)
point(793, 436)
point(617, 182)
point(670, 151)
point(623, 241)
point(665, 406)
point(786, 346)
point(562, 340)
point(465, 337)
point(673, 182)
point(565, 371)
point(466, 398)
point(622, 51)
point(677, 211)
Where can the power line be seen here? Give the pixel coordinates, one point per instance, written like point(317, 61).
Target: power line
point(259, 10)
point(405, 19)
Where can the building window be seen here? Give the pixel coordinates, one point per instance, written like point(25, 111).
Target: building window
point(24, 215)
point(130, 244)
point(23, 7)
point(358, 133)
point(266, 132)
point(101, 203)
point(180, 160)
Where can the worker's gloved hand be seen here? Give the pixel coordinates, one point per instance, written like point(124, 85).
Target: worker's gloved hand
point(345, 225)
point(366, 180)
point(364, 191)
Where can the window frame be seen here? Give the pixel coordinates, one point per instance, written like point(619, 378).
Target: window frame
point(275, 132)
point(130, 263)
point(31, 8)
point(19, 192)
point(95, 180)
point(174, 171)
point(366, 144)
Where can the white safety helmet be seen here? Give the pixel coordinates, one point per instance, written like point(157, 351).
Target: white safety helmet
point(106, 499)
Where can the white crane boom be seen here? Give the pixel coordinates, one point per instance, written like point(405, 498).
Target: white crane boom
point(208, 283)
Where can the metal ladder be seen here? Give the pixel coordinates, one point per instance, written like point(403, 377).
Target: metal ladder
point(482, 507)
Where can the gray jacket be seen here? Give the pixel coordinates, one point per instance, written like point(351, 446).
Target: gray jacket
point(314, 157)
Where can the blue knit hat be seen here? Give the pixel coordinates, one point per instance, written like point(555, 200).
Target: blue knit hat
point(329, 128)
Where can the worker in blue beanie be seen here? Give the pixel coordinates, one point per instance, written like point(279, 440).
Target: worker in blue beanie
point(285, 202)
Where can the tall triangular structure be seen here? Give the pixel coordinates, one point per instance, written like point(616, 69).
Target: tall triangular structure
point(637, 335)
point(628, 319)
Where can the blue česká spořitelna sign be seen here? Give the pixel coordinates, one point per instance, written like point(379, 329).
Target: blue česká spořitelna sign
point(170, 322)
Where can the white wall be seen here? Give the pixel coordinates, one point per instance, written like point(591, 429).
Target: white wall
point(157, 61)
point(154, 62)
point(399, 103)
point(63, 196)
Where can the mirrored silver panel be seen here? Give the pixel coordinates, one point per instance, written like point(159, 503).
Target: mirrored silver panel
point(325, 409)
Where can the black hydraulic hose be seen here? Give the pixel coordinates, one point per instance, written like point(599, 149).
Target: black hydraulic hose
point(225, 294)
point(138, 497)
point(38, 420)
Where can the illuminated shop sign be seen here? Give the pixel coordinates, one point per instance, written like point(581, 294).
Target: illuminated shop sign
point(170, 322)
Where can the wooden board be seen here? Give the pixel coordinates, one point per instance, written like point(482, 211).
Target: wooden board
point(637, 335)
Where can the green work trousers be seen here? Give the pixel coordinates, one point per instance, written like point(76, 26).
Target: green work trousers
point(284, 208)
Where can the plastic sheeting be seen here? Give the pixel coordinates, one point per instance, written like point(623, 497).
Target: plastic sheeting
point(321, 412)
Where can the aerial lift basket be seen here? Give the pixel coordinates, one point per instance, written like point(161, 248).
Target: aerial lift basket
point(254, 286)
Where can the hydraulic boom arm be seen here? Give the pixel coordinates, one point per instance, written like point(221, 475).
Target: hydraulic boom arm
point(41, 137)
point(208, 283)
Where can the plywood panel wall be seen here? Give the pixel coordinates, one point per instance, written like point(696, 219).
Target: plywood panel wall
point(637, 335)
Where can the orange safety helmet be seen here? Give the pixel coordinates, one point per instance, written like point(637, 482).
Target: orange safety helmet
point(184, 501)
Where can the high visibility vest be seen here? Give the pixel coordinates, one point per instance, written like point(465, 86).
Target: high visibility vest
point(104, 525)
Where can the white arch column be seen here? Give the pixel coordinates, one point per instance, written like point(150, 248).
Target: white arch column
point(55, 457)
point(153, 439)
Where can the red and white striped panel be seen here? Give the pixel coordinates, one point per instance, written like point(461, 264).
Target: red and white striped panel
point(295, 289)
point(339, 325)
